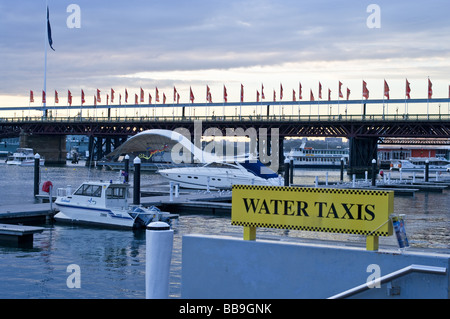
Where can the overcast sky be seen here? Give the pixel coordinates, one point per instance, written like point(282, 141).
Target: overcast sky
point(147, 43)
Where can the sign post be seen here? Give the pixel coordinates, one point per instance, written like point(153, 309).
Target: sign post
point(350, 211)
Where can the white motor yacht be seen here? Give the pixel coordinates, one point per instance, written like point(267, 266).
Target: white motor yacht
point(418, 163)
point(23, 157)
point(105, 203)
point(221, 176)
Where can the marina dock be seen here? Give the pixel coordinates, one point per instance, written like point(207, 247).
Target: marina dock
point(12, 213)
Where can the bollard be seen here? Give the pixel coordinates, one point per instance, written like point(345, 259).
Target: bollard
point(427, 170)
point(171, 192)
point(177, 190)
point(127, 167)
point(159, 245)
point(316, 181)
point(326, 178)
point(291, 172)
point(374, 174)
point(287, 170)
point(353, 180)
point(137, 181)
point(366, 176)
point(37, 159)
point(401, 175)
point(342, 169)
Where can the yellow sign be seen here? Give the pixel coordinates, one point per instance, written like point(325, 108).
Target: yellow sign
point(352, 211)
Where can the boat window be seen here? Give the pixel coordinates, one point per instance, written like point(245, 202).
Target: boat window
point(89, 190)
point(115, 193)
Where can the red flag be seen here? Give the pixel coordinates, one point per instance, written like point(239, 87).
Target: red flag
point(208, 95)
point(56, 97)
point(82, 97)
point(281, 91)
point(120, 99)
point(311, 97)
point(178, 98)
point(225, 94)
point(149, 98)
point(126, 96)
point(157, 95)
point(191, 95)
point(329, 95)
point(164, 98)
point(430, 89)
point(43, 97)
point(136, 99)
point(112, 96)
point(142, 96)
point(95, 100)
point(262, 92)
point(365, 90)
point(320, 90)
point(257, 96)
point(293, 95)
point(348, 93)
point(174, 94)
point(99, 99)
point(274, 96)
point(31, 97)
point(340, 89)
point(69, 97)
point(242, 93)
point(107, 99)
point(300, 91)
point(386, 89)
point(408, 90)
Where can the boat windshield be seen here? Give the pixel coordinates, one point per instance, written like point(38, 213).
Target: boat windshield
point(89, 190)
point(116, 192)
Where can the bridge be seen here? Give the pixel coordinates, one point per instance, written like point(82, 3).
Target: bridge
point(46, 134)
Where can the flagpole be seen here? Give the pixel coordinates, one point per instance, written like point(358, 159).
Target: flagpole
point(45, 59)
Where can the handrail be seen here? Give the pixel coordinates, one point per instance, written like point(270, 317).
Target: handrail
point(389, 277)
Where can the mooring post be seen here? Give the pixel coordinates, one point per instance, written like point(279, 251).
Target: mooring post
point(158, 255)
point(37, 161)
point(374, 174)
point(287, 170)
point(137, 181)
point(291, 171)
point(427, 170)
point(127, 167)
point(342, 169)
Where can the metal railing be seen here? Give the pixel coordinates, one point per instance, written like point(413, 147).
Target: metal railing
point(389, 277)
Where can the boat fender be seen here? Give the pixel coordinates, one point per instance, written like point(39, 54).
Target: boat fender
point(46, 186)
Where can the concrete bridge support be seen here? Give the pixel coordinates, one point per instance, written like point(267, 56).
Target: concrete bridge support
point(50, 147)
point(362, 151)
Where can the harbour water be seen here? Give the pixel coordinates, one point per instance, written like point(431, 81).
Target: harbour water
point(112, 262)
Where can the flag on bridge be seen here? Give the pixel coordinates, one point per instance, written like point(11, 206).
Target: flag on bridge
point(300, 91)
point(43, 97)
point(142, 95)
point(386, 89)
point(430, 89)
point(69, 97)
point(82, 97)
point(191, 95)
point(156, 95)
point(263, 97)
point(365, 90)
point(281, 91)
point(340, 89)
point(311, 95)
point(56, 97)
point(242, 93)
point(348, 93)
point(225, 94)
point(99, 99)
point(407, 90)
point(320, 90)
point(31, 97)
point(112, 95)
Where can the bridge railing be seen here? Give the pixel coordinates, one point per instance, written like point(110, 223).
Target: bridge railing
point(238, 118)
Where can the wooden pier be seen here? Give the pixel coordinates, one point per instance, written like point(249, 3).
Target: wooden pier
point(20, 212)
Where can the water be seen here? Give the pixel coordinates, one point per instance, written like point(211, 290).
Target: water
point(112, 262)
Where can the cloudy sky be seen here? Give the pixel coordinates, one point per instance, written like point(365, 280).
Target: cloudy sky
point(194, 43)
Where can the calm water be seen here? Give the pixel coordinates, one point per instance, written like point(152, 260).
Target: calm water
point(112, 262)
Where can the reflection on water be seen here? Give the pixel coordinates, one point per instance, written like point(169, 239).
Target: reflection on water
point(112, 262)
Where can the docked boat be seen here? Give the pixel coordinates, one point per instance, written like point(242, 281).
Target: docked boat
point(218, 175)
point(105, 203)
point(308, 157)
point(418, 163)
point(23, 157)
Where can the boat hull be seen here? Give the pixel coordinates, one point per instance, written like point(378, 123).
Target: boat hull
point(95, 216)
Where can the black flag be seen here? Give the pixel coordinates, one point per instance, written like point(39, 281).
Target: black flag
point(49, 31)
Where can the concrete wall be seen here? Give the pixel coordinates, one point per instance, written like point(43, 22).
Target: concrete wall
point(224, 267)
point(50, 147)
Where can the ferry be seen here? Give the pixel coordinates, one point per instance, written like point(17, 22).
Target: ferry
point(308, 157)
point(23, 157)
point(418, 163)
point(222, 175)
point(106, 204)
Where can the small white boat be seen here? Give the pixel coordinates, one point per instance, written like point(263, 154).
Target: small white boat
point(105, 203)
point(23, 157)
point(418, 163)
point(221, 176)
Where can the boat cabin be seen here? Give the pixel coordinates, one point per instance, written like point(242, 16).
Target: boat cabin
point(103, 194)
